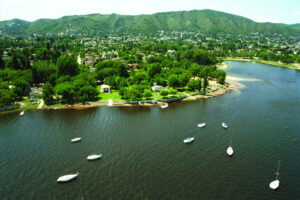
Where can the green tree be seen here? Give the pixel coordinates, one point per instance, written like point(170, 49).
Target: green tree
point(160, 80)
point(67, 91)
point(87, 93)
point(47, 95)
point(67, 65)
point(105, 72)
point(173, 81)
point(43, 71)
point(195, 69)
point(21, 87)
point(2, 63)
point(7, 97)
point(205, 84)
point(193, 85)
point(153, 69)
point(147, 93)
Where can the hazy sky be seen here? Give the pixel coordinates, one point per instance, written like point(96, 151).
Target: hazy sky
point(281, 11)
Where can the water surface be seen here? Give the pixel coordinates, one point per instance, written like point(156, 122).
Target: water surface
point(143, 153)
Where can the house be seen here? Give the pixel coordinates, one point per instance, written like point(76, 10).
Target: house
point(157, 88)
point(105, 88)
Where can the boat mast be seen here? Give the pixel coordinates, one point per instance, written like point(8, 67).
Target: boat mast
point(277, 173)
point(230, 142)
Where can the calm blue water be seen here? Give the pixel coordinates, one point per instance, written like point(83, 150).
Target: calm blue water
point(143, 153)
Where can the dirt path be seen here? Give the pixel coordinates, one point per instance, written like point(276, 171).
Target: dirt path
point(41, 104)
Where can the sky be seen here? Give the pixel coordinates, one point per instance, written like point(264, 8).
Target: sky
point(277, 11)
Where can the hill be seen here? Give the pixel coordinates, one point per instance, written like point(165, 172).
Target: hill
point(195, 20)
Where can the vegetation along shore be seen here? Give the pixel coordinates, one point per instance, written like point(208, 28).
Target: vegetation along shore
point(71, 67)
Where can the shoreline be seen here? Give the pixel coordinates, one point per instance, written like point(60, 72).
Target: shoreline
point(295, 66)
point(231, 81)
point(232, 84)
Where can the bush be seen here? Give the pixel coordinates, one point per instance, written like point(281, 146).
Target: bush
point(147, 93)
point(122, 91)
point(164, 92)
point(173, 91)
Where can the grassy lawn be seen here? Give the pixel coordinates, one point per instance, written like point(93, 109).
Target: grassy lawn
point(156, 95)
point(114, 95)
point(190, 92)
point(58, 105)
point(28, 105)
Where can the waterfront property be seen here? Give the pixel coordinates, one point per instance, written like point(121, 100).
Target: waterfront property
point(105, 88)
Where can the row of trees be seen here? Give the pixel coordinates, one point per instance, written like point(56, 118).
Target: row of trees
point(62, 76)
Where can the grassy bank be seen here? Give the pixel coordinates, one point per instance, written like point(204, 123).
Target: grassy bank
point(291, 66)
point(114, 95)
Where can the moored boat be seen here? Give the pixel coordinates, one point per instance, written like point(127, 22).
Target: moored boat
point(22, 112)
point(224, 125)
point(201, 125)
point(275, 184)
point(164, 105)
point(229, 151)
point(94, 157)
point(188, 140)
point(67, 178)
point(76, 139)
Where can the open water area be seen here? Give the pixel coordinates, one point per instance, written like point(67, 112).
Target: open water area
point(143, 152)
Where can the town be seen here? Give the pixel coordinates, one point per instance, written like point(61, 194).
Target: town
point(69, 67)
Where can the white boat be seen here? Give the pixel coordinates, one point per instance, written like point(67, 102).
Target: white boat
point(229, 151)
point(164, 105)
point(188, 140)
point(275, 184)
point(67, 178)
point(224, 125)
point(201, 125)
point(22, 112)
point(76, 139)
point(94, 157)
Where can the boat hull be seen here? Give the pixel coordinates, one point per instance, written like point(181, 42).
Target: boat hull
point(67, 178)
point(274, 184)
point(201, 125)
point(188, 140)
point(224, 125)
point(76, 140)
point(94, 157)
point(229, 151)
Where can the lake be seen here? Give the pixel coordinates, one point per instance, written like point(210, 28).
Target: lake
point(143, 152)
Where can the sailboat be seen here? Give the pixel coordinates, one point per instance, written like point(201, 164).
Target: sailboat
point(67, 178)
point(224, 125)
point(164, 105)
point(76, 139)
point(188, 140)
point(275, 184)
point(22, 112)
point(229, 150)
point(201, 125)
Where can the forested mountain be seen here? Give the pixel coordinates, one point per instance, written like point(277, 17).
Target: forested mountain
point(195, 20)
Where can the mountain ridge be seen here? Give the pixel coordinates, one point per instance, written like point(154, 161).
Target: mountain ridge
point(194, 20)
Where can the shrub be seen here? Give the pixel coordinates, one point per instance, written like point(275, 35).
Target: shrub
point(164, 92)
point(173, 91)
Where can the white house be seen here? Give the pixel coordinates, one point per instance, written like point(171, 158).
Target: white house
point(157, 88)
point(105, 88)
